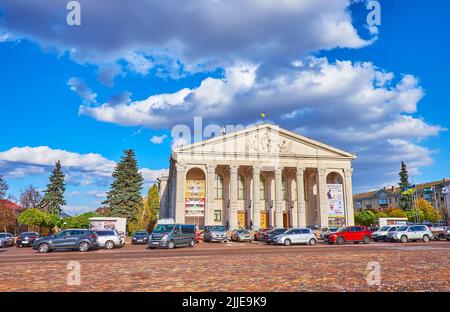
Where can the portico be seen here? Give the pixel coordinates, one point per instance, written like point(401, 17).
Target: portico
point(258, 177)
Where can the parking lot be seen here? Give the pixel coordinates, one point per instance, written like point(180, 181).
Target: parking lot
point(414, 266)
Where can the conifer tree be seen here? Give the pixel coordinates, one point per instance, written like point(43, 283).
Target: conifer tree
point(124, 197)
point(53, 198)
point(405, 201)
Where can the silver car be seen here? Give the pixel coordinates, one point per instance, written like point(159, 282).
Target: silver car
point(296, 236)
point(108, 239)
point(411, 233)
point(6, 239)
point(241, 236)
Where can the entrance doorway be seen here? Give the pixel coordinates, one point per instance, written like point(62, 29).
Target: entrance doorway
point(242, 219)
point(264, 220)
point(286, 220)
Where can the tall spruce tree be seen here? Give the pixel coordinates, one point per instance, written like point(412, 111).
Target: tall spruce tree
point(124, 197)
point(53, 198)
point(405, 201)
point(3, 187)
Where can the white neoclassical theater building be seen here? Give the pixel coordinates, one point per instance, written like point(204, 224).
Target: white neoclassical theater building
point(258, 177)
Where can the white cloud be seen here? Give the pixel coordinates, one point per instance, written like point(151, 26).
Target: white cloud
point(194, 31)
point(158, 139)
point(80, 169)
point(138, 63)
point(78, 86)
point(4, 37)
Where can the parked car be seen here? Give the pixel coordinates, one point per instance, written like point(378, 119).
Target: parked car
point(76, 239)
point(122, 237)
point(215, 233)
point(241, 236)
point(381, 234)
point(327, 231)
point(373, 228)
point(171, 236)
point(438, 231)
point(295, 236)
point(26, 239)
point(108, 239)
point(6, 239)
point(447, 233)
point(140, 237)
point(260, 234)
point(407, 233)
point(274, 232)
point(354, 234)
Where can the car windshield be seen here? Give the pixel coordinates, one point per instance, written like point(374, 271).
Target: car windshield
point(243, 232)
point(402, 228)
point(342, 230)
point(384, 228)
point(289, 232)
point(141, 233)
point(278, 231)
point(28, 234)
point(393, 229)
point(217, 228)
point(2, 235)
point(164, 228)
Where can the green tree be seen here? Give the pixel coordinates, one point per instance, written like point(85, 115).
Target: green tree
point(415, 215)
point(148, 217)
point(405, 201)
point(124, 197)
point(35, 217)
point(80, 221)
point(382, 214)
point(366, 217)
point(397, 213)
point(53, 198)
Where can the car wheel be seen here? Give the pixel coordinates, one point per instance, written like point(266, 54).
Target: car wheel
point(44, 248)
point(109, 245)
point(404, 239)
point(340, 240)
point(426, 238)
point(18, 245)
point(366, 240)
point(83, 247)
point(312, 242)
point(355, 242)
point(192, 243)
point(171, 245)
point(287, 242)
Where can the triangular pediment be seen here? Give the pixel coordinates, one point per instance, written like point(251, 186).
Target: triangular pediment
point(265, 139)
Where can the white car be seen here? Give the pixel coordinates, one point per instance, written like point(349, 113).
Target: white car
point(295, 236)
point(381, 234)
point(108, 239)
point(407, 233)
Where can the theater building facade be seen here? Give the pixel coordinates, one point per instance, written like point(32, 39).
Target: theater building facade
point(258, 177)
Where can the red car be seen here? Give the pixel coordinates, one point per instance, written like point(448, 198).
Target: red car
point(354, 234)
point(261, 234)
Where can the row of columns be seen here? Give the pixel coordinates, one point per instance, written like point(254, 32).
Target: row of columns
point(257, 209)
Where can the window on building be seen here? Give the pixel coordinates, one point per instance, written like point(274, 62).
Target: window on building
point(241, 187)
point(262, 188)
point(383, 201)
point(217, 215)
point(219, 186)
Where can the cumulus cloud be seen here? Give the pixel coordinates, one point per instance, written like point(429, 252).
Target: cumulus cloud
point(80, 169)
point(158, 139)
point(78, 86)
point(355, 106)
point(193, 31)
point(107, 73)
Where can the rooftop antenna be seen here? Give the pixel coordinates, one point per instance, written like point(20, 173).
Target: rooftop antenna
point(223, 131)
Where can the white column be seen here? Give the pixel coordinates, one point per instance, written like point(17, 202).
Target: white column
point(256, 199)
point(323, 209)
point(301, 197)
point(181, 182)
point(278, 198)
point(349, 214)
point(232, 219)
point(210, 196)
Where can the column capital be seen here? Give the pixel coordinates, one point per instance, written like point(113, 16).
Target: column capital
point(210, 168)
point(234, 169)
point(348, 172)
point(322, 171)
point(180, 166)
point(300, 171)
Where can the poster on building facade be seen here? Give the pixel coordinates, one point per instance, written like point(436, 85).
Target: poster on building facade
point(335, 205)
point(195, 198)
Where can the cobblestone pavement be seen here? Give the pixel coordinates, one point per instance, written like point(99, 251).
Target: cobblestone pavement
point(233, 267)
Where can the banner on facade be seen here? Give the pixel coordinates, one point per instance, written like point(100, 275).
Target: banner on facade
point(335, 204)
point(195, 198)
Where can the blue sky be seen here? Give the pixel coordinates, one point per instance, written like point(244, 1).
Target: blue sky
point(73, 92)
